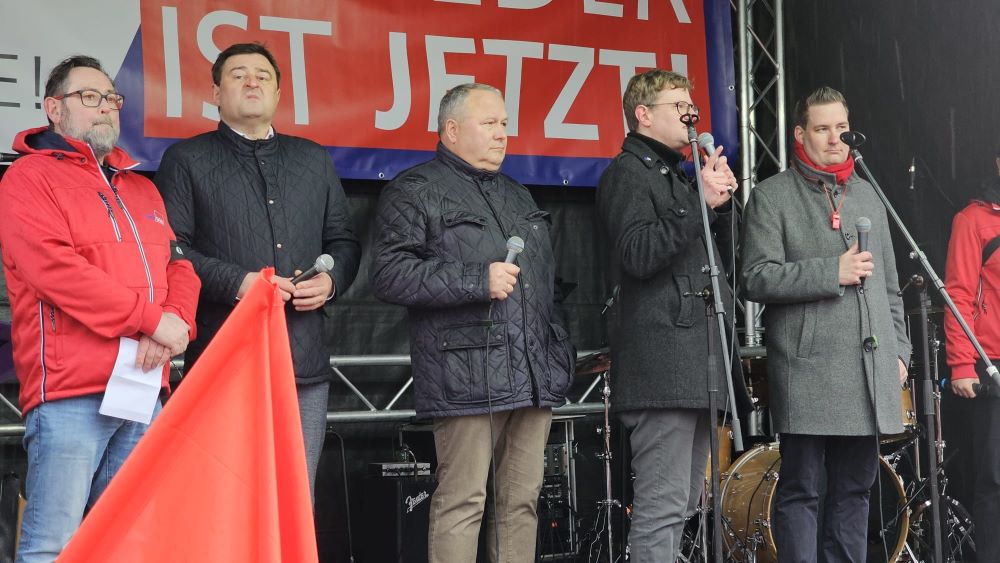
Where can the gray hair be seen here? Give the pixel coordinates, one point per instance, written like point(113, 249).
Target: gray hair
point(454, 100)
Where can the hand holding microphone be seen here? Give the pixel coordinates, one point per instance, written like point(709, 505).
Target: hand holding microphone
point(503, 275)
point(719, 180)
point(857, 263)
point(311, 289)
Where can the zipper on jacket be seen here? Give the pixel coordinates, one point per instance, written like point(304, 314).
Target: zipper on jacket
point(135, 230)
point(138, 241)
point(52, 316)
point(41, 346)
point(111, 215)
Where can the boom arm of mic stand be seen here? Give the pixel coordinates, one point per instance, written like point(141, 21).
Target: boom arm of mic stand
point(991, 370)
point(720, 311)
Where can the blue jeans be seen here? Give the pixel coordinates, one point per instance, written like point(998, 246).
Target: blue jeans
point(73, 452)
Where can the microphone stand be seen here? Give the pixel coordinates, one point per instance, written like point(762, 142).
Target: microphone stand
point(854, 140)
point(713, 307)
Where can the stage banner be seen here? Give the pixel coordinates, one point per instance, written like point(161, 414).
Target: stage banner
point(364, 77)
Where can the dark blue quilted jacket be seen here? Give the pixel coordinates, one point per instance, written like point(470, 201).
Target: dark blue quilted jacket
point(439, 226)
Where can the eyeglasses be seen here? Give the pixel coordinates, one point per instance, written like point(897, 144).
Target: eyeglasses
point(92, 98)
point(683, 108)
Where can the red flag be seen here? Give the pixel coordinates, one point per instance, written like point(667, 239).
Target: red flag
point(221, 473)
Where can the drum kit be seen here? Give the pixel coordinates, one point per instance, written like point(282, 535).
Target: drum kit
point(900, 528)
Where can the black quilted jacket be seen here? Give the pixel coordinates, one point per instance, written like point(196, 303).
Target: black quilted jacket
point(237, 206)
point(439, 226)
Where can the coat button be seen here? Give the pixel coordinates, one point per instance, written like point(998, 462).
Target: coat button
point(270, 202)
point(278, 245)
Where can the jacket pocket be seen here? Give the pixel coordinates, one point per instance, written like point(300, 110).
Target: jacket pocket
point(562, 361)
point(685, 304)
point(535, 231)
point(808, 331)
point(458, 217)
point(470, 375)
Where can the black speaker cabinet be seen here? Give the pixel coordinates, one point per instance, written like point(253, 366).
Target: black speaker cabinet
point(394, 514)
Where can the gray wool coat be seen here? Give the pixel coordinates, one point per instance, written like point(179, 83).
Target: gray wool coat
point(821, 381)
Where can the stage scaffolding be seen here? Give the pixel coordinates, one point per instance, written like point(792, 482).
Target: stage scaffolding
point(760, 56)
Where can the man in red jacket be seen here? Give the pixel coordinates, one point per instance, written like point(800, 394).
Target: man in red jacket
point(89, 261)
point(972, 277)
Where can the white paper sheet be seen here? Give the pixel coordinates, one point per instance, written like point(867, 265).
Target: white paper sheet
point(131, 393)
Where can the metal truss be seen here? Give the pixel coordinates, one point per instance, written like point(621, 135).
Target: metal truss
point(760, 48)
point(365, 410)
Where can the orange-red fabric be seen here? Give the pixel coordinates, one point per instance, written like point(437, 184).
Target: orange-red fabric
point(221, 474)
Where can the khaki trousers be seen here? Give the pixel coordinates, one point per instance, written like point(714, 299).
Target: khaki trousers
point(463, 454)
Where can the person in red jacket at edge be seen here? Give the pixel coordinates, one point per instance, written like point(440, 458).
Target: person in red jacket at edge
point(89, 260)
point(972, 277)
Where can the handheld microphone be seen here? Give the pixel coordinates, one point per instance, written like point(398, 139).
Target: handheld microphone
point(980, 390)
point(707, 142)
point(323, 264)
point(515, 245)
point(864, 226)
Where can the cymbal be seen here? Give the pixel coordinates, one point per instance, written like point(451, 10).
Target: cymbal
point(593, 363)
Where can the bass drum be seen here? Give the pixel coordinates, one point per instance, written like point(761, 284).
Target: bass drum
point(748, 493)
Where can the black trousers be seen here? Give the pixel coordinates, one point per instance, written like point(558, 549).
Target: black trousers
point(986, 440)
point(851, 464)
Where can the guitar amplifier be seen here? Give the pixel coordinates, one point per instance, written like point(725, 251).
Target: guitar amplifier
point(394, 516)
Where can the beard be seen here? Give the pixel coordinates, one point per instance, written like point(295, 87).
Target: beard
point(101, 134)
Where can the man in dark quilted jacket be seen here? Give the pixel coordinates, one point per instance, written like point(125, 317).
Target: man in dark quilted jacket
point(244, 197)
point(490, 359)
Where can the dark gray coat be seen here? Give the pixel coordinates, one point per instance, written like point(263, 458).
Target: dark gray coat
point(650, 215)
point(820, 381)
point(439, 225)
point(239, 205)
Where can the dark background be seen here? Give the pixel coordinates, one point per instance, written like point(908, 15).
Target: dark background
point(920, 78)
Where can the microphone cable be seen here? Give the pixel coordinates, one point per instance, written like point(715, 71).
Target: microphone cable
point(872, 341)
point(493, 439)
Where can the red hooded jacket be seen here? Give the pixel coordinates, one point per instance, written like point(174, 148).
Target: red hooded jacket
point(974, 286)
point(87, 261)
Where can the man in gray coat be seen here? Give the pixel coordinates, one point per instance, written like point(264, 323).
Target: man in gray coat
point(649, 210)
point(836, 340)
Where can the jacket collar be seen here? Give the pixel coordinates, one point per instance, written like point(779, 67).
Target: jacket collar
point(815, 178)
point(245, 146)
point(463, 168)
point(650, 151)
point(45, 141)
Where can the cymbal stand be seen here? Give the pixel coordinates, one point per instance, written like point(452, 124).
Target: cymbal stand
point(606, 504)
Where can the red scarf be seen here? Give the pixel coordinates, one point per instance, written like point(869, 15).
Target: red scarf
point(842, 171)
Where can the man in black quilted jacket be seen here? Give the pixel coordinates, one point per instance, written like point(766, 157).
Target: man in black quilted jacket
point(244, 197)
point(490, 359)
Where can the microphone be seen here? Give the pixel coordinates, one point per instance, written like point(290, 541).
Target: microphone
point(707, 142)
point(322, 265)
point(864, 226)
point(913, 171)
point(978, 388)
point(515, 245)
point(9, 156)
point(853, 139)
